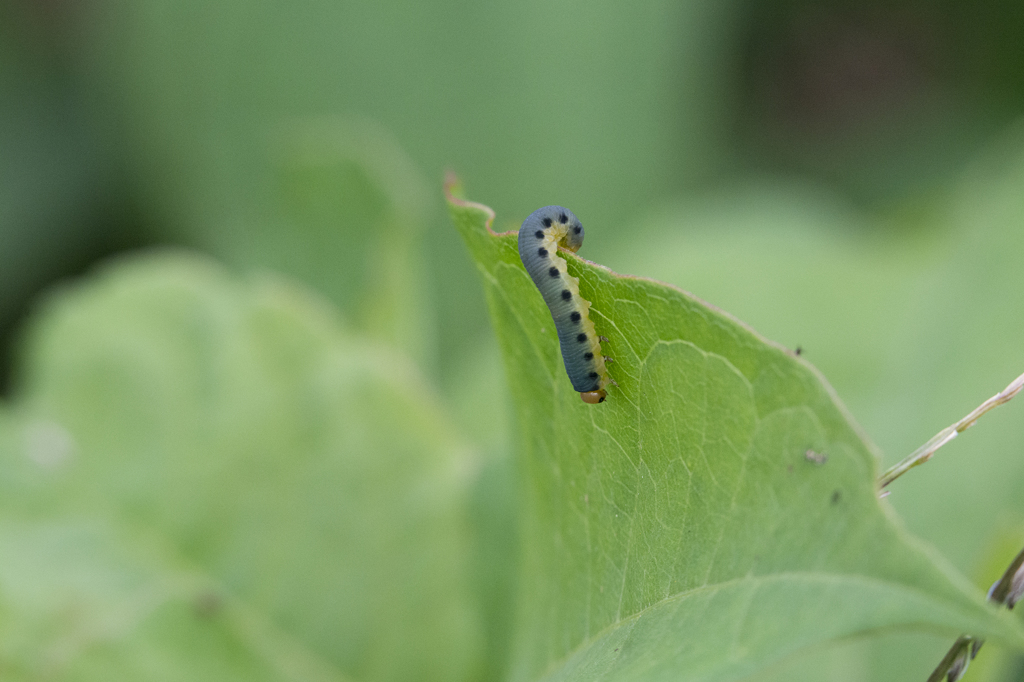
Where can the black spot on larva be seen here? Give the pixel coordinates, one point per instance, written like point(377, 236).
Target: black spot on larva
point(575, 317)
point(601, 400)
point(581, 338)
point(566, 294)
point(553, 271)
point(577, 229)
point(588, 356)
point(547, 222)
point(593, 375)
point(563, 219)
point(542, 252)
point(539, 234)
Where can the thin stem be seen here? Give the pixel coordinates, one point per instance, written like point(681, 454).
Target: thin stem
point(925, 452)
point(1007, 589)
point(1006, 592)
point(954, 665)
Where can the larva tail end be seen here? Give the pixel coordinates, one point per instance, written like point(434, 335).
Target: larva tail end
point(594, 397)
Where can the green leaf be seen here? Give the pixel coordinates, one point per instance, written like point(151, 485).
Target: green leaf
point(679, 530)
point(916, 319)
point(305, 478)
point(94, 600)
point(345, 193)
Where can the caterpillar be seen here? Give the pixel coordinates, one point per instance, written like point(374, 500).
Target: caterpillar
point(539, 238)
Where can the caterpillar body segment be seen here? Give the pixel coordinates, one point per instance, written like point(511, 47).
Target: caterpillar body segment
point(539, 238)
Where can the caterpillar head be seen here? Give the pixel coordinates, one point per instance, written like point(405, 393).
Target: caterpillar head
point(561, 219)
point(594, 397)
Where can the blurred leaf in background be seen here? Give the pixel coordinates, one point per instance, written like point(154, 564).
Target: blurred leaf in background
point(180, 438)
point(354, 209)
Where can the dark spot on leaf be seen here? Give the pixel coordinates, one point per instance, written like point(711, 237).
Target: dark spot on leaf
point(207, 604)
point(836, 496)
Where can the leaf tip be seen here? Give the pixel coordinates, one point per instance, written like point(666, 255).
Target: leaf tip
point(455, 196)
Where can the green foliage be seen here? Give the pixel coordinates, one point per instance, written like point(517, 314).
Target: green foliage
point(302, 140)
point(916, 318)
point(679, 528)
point(209, 479)
point(208, 87)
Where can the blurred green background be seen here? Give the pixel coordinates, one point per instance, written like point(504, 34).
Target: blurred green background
point(845, 177)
